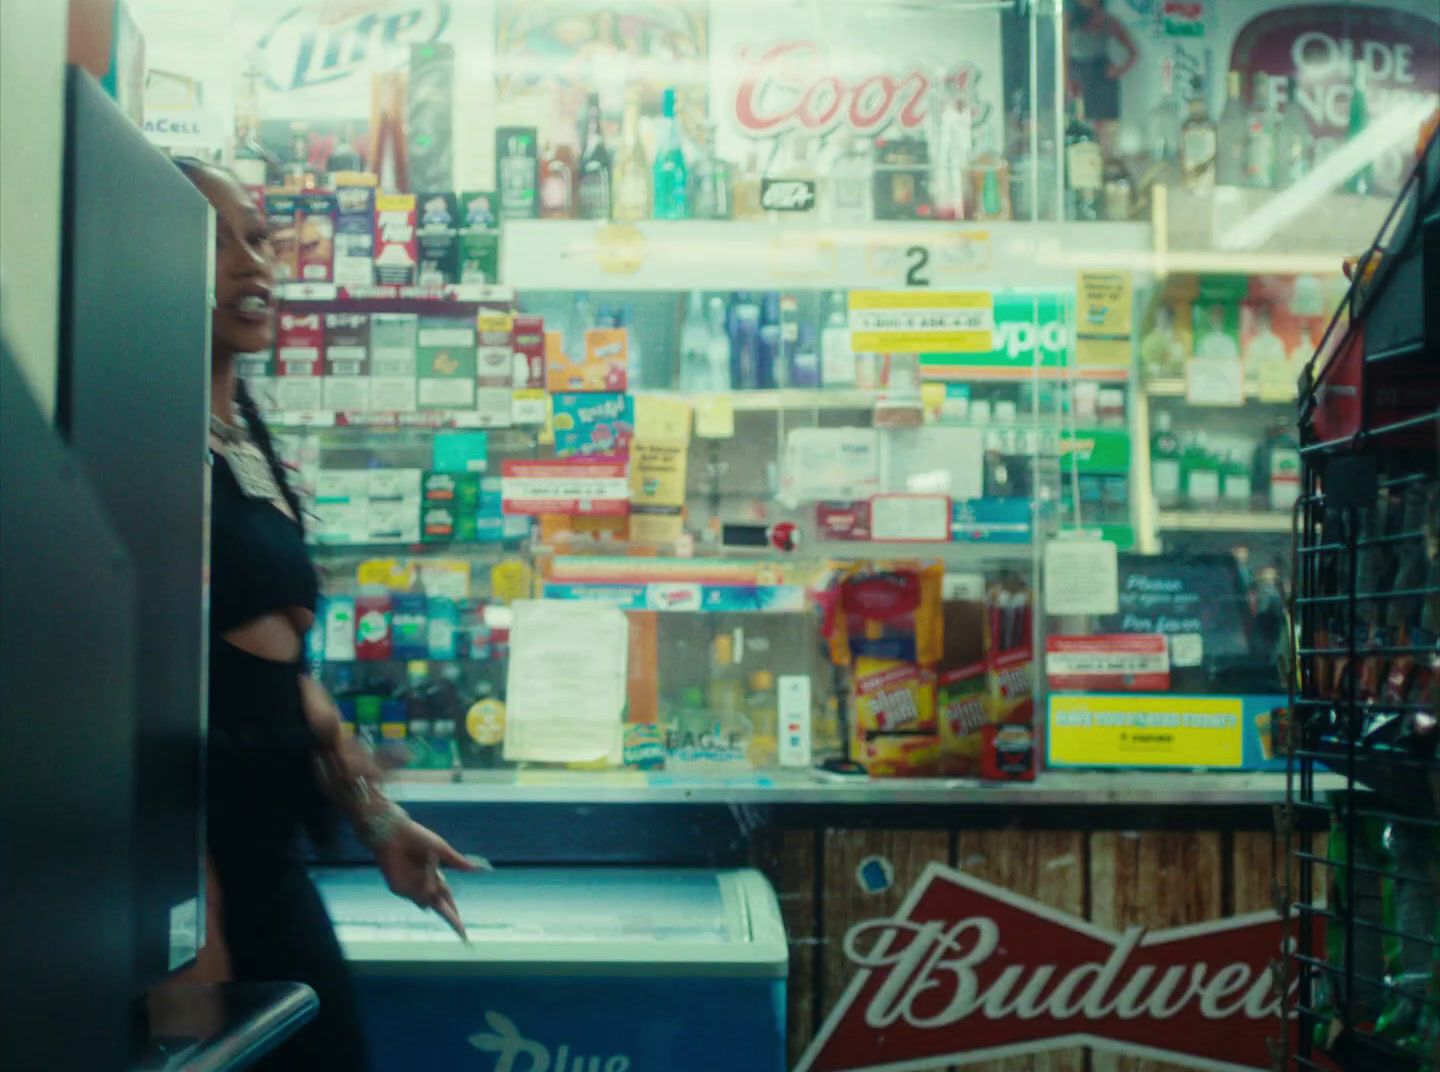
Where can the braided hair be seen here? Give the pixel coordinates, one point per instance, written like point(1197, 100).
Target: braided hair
point(193, 169)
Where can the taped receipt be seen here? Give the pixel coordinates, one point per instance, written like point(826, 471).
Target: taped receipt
point(567, 682)
point(1082, 576)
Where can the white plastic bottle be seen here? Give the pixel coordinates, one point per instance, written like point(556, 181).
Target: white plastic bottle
point(837, 360)
point(695, 370)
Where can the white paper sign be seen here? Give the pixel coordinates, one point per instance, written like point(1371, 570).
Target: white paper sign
point(842, 464)
point(910, 517)
point(1081, 577)
point(567, 682)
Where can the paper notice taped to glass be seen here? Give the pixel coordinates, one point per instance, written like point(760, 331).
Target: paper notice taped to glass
point(1082, 576)
point(567, 682)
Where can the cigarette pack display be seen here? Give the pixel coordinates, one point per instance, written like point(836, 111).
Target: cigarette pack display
point(438, 211)
point(355, 235)
point(446, 363)
point(462, 489)
point(494, 359)
point(517, 172)
point(396, 249)
point(347, 361)
point(282, 212)
point(372, 624)
point(393, 522)
point(298, 366)
point(316, 258)
point(527, 345)
point(393, 485)
point(442, 522)
point(392, 361)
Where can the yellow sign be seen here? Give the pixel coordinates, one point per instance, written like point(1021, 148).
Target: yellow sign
point(922, 321)
point(661, 420)
point(388, 573)
point(714, 417)
point(1102, 320)
point(510, 580)
point(1147, 731)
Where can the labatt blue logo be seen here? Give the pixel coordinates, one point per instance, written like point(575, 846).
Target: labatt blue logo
point(300, 53)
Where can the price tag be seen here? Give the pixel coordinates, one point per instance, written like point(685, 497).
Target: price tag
point(714, 417)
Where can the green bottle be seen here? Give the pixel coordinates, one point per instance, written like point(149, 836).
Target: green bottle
point(1200, 474)
point(1237, 486)
point(1363, 181)
point(1165, 462)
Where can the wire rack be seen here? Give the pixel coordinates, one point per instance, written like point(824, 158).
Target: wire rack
point(1363, 970)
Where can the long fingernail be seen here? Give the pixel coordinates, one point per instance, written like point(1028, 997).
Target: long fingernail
point(479, 863)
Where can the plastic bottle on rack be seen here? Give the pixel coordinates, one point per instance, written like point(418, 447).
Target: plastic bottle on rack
point(837, 360)
point(805, 368)
point(582, 319)
point(725, 692)
point(671, 180)
point(744, 326)
point(717, 347)
point(762, 711)
point(694, 347)
point(770, 363)
point(1165, 462)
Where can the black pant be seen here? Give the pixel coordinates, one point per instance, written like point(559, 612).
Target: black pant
point(277, 930)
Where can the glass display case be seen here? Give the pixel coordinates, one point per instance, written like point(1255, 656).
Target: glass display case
point(916, 378)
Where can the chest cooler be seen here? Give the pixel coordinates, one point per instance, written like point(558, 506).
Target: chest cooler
point(569, 970)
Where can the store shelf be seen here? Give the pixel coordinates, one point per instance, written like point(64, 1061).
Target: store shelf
point(1222, 521)
point(794, 398)
point(452, 548)
point(331, 418)
point(956, 552)
point(453, 293)
point(1175, 388)
point(804, 255)
point(1128, 788)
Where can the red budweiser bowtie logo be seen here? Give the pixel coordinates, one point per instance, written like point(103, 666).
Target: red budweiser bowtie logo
point(967, 971)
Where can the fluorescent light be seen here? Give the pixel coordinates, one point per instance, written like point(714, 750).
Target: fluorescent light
point(1254, 230)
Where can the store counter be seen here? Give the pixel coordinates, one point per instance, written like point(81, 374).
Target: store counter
point(221, 1027)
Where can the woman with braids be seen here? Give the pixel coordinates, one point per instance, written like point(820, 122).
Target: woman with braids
point(278, 761)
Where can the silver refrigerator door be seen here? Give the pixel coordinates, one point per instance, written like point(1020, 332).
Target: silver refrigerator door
point(573, 921)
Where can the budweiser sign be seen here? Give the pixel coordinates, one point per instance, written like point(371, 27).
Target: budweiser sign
point(970, 972)
point(792, 86)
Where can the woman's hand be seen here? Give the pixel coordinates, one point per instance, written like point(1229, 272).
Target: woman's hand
point(410, 858)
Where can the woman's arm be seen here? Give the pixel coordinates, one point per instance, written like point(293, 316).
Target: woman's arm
point(408, 854)
point(1117, 30)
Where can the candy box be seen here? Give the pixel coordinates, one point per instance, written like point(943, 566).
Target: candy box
point(893, 697)
point(899, 755)
point(396, 247)
point(316, 221)
point(963, 711)
point(593, 423)
point(602, 367)
point(282, 212)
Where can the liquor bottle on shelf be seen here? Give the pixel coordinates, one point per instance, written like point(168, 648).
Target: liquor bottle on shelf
point(1164, 128)
point(1294, 143)
point(1200, 474)
point(1198, 144)
point(1260, 131)
point(710, 181)
point(254, 165)
point(837, 360)
point(582, 319)
point(1230, 136)
point(749, 185)
point(298, 176)
point(805, 369)
point(988, 179)
point(849, 184)
point(1363, 180)
point(744, 328)
point(694, 347)
point(1022, 163)
point(671, 180)
point(632, 173)
point(594, 193)
point(1118, 191)
point(557, 177)
point(1084, 167)
point(1277, 468)
point(717, 347)
point(345, 156)
point(770, 362)
point(1237, 485)
point(1165, 462)
point(952, 144)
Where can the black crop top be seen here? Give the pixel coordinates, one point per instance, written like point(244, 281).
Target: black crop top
point(258, 561)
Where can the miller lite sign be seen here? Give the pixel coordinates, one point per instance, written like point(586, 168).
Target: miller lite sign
point(969, 972)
